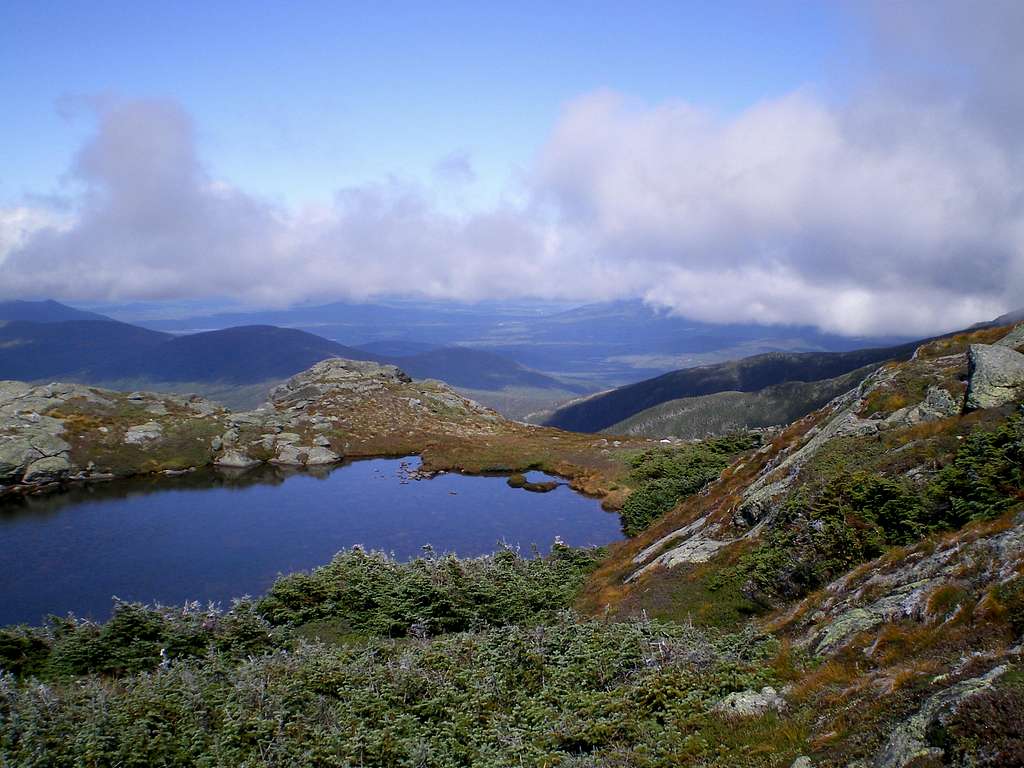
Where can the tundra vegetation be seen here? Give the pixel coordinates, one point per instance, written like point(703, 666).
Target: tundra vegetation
point(662, 476)
point(848, 593)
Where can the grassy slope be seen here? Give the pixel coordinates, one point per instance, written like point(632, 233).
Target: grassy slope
point(747, 375)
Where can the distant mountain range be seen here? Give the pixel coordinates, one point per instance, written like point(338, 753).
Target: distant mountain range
point(44, 312)
point(30, 351)
point(103, 351)
point(522, 359)
point(396, 347)
point(600, 345)
point(243, 355)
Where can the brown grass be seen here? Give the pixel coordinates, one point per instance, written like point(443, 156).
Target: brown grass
point(951, 345)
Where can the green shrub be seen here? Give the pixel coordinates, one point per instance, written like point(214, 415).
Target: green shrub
point(135, 639)
point(819, 536)
point(1011, 595)
point(357, 594)
point(22, 651)
point(661, 477)
point(369, 593)
point(985, 478)
point(627, 693)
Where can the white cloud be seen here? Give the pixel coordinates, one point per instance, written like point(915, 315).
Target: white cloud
point(18, 225)
point(887, 218)
point(900, 211)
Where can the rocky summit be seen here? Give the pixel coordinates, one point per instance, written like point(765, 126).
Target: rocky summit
point(342, 408)
point(56, 434)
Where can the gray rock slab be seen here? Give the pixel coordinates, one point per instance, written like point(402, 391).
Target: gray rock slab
point(996, 376)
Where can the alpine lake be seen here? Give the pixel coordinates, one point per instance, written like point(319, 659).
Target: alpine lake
point(211, 536)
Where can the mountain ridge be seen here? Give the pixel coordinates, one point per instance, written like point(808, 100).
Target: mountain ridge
point(731, 411)
point(110, 353)
point(45, 311)
point(748, 374)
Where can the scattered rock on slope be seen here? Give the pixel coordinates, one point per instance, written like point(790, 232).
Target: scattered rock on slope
point(996, 375)
point(751, 703)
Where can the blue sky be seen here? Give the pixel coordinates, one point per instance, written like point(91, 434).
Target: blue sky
point(855, 165)
point(292, 100)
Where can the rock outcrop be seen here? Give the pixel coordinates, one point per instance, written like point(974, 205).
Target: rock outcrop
point(60, 433)
point(902, 589)
point(1014, 339)
point(909, 744)
point(751, 703)
point(57, 433)
point(996, 376)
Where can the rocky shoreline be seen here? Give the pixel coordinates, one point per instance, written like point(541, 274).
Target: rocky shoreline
point(54, 435)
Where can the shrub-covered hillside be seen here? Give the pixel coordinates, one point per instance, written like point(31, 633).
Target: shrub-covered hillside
point(882, 538)
point(437, 662)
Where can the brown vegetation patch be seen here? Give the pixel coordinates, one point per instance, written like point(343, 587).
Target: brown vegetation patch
point(958, 343)
point(907, 384)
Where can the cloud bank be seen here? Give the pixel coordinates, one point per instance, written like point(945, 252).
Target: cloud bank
point(898, 211)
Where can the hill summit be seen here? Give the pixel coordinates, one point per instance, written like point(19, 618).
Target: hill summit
point(55, 434)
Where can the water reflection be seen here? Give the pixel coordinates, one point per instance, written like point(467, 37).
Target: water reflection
point(214, 535)
point(200, 480)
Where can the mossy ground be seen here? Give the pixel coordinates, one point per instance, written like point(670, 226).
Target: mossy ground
point(96, 434)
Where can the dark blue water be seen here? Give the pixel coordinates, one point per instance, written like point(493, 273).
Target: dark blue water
point(212, 537)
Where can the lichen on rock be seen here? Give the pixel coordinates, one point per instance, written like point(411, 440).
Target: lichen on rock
point(996, 376)
point(751, 703)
